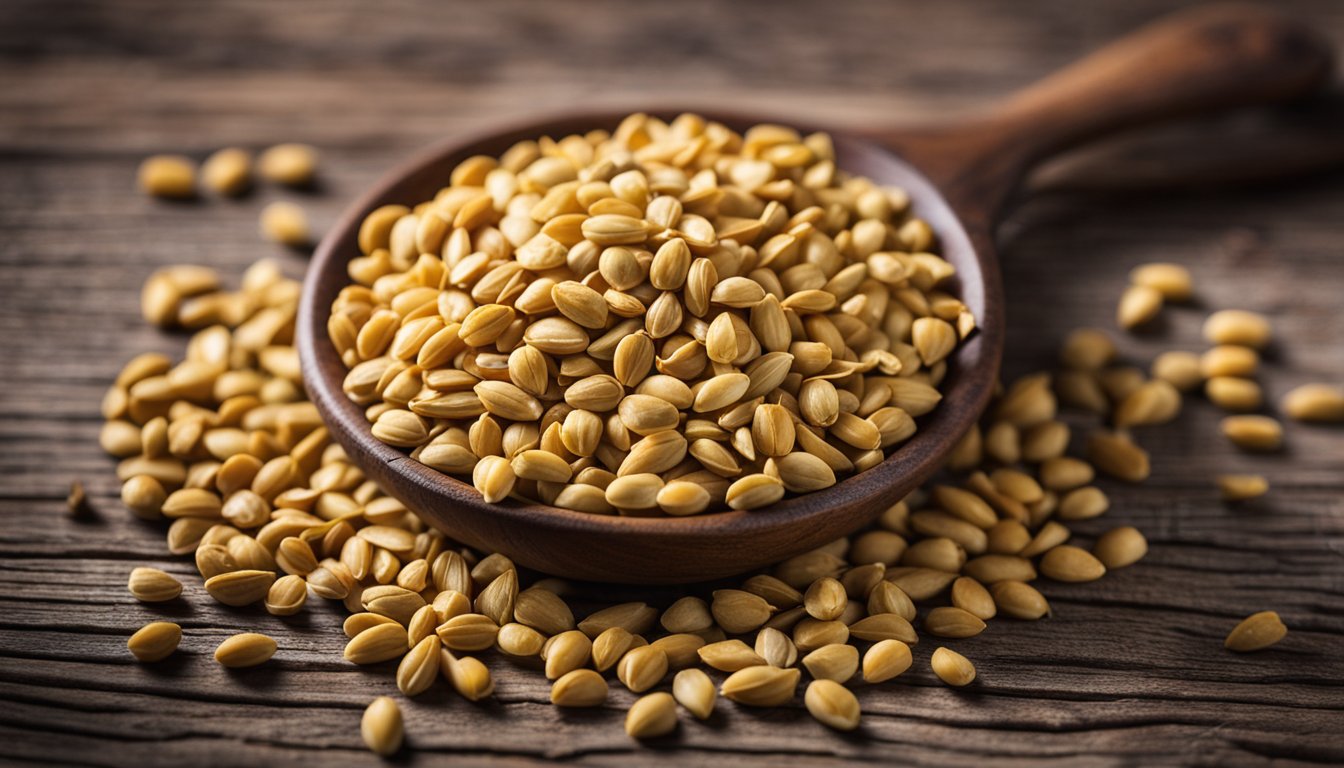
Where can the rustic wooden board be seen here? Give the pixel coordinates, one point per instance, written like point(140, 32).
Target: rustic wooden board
point(1129, 671)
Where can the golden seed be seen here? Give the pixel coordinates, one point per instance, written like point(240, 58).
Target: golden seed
point(1314, 402)
point(228, 171)
point(1120, 547)
point(1182, 370)
point(952, 668)
point(776, 648)
point(566, 652)
point(884, 626)
point(1069, 563)
point(971, 596)
point(1236, 326)
point(155, 641)
point(544, 611)
point(1117, 456)
point(293, 165)
point(245, 650)
point(1242, 487)
point(641, 668)
point(1233, 394)
point(950, 621)
point(1171, 280)
point(693, 690)
point(754, 492)
point(468, 676)
point(832, 704)
point(761, 686)
point(151, 585)
point(239, 588)
point(682, 649)
point(1253, 433)
point(419, 668)
point(579, 688)
point(738, 611)
point(170, 176)
point(1256, 633)
point(377, 643)
point(885, 660)
point(286, 596)
point(469, 632)
point(651, 716)
point(836, 661)
point(729, 655)
point(381, 726)
point(1139, 304)
point(1087, 349)
point(1019, 600)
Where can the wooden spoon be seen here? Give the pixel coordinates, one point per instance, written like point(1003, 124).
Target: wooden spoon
point(959, 177)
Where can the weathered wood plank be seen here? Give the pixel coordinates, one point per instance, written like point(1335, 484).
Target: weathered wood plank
point(1128, 671)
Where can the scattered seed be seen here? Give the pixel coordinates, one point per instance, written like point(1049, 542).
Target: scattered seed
point(832, 704)
point(155, 641)
point(245, 650)
point(952, 668)
point(1256, 632)
point(1242, 487)
point(381, 726)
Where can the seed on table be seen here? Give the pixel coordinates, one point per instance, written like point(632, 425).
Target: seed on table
point(952, 668)
point(1019, 600)
point(285, 223)
point(1233, 394)
point(1314, 402)
point(885, 660)
point(168, 176)
point(1256, 632)
point(883, 626)
point(1069, 563)
point(1182, 370)
point(729, 655)
point(155, 641)
point(1236, 326)
point(151, 585)
point(1118, 456)
point(293, 165)
point(971, 596)
point(832, 704)
point(1120, 547)
point(1242, 487)
point(566, 652)
point(836, 661)
point(762, 686)
point(682, 649)
point(1253, 433)
point(468, 676)
point(239, 588)
point(419, 668)
point(651, 716)
point(381, 726)
point(1171, 280)
point(579, 688)
point(693, 690)
point(738, 611)
point(247, 649)
point(228, 171)
point(376, 643)
point(1139, 304)
point(641, 668)
point(950, 621)
point(1087, 349)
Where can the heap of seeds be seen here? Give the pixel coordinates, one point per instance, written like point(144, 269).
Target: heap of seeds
point(666, 319)
point(224, 446)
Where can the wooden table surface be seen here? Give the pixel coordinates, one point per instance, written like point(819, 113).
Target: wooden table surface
point(1129, 671)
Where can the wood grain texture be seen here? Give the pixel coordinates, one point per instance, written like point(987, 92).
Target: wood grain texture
point(1130, 669)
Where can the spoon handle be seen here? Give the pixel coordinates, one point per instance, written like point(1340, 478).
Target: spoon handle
point(1190, 63)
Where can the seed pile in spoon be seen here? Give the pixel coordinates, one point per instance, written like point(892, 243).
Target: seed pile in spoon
point(667, 319)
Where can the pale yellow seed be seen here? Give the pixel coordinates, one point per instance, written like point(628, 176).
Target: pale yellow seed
point(579, 688)
point(1171, 280)
point(152, 585)
point(1236, 326)
point(835, 661)
point(245, 650)
point(885, 660)
point(693, 690)
point(1019, 600)
point(170, 176)
point(1242, 487)
point(651, 716)
point(293, 165)
point(1253, 433)
point(1234, 394)
point(952, 668)
point(1139, 304)
point(1119, 547)
point(155, 641)
point(285, 223)
point(1256, 633)
point(228, 171)
point(381, 726)
point(1069, 563)
point(832, 704)
point(761, 686)
point(1314, 402)
point(1179, 369)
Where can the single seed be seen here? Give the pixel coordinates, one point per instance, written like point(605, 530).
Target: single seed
point(1171, 280)
point(151, 585)
point(579, 688)
point(1256, 633)
point(762, 686)
point(832, 704)
point(1069, 563)
point(293, 165)
point(1235, 326)
point(651, 716)
point(1242, 487)
point(836, 661)
point(952, 668)
point(693, 690)
point(1314, 402)
point(885, 660)
point(381, 726)
point(1139, 304)
point(169, 176)
point(155, 641)
point(285, 223)
point(1253, 433)
point(245, 650)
